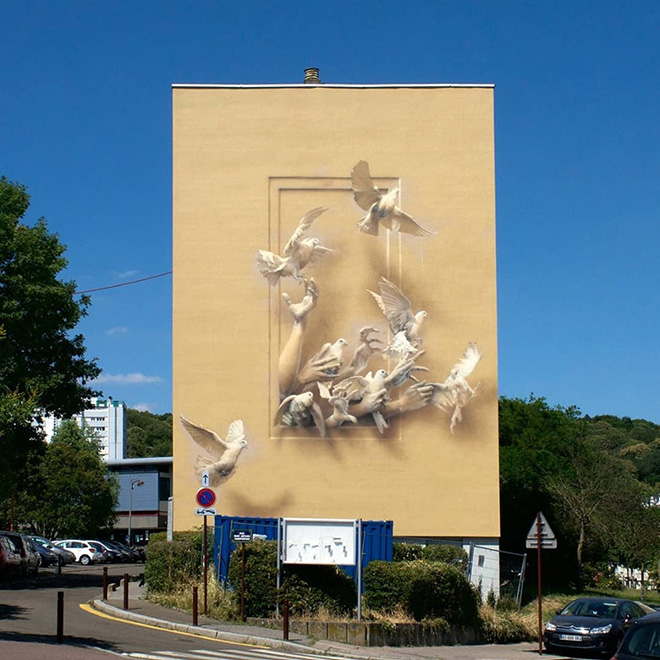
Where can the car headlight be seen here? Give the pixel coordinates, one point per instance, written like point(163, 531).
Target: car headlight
point(550, 626)
point(601, 630)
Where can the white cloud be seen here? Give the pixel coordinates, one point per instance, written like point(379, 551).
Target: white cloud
point(142, 407)
point(118, 330)
point(127, 274)
point(128, 379)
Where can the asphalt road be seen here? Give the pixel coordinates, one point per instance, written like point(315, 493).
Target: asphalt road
point(28, 624)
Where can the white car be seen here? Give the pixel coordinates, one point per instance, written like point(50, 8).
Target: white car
point(82, 550)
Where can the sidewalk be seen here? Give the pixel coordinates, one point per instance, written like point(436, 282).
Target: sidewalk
point(145, 612)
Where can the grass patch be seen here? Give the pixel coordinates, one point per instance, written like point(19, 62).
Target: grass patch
point(221, 603)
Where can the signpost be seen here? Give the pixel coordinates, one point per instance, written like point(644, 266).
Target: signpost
point(540, 536)
point(242, 536)
point(205, 498)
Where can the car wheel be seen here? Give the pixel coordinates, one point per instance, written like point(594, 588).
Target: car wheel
point(84, 560)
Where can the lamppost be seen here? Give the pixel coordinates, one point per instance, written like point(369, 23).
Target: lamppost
point(134, 483)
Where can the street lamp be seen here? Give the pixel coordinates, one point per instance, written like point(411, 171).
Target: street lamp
point(134, 483)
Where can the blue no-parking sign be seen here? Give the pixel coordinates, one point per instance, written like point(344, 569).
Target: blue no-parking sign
point(205, 497)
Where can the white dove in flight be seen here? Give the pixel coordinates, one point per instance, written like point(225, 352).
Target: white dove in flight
point(225, 453)
point(381, 208)
point(455, 393)
point(300, 410)
point(297, 253)
point(398, 312)
point(356, 387)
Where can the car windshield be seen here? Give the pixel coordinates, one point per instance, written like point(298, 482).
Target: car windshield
point(643, 641)
point(599, 608)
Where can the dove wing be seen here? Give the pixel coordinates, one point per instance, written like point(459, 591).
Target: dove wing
point(211, 442)
point(395, 306)
point(351, 388)
point(302, 227)
point(465, 366)
point(235, 432)
point(317, 415)
point(364, 191)
point(284, 406)
point(402, 222)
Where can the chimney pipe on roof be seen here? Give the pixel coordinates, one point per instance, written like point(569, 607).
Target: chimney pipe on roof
point(312, 77)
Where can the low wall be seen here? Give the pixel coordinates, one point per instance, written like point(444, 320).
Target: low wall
point(369, 633)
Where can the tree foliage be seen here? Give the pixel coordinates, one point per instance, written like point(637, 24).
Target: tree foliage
point(148, 435)
point(43, 367)
point(593, 478)
point(68, 490)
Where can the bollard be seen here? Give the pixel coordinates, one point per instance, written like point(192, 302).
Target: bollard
point(60, 617)
point(105, 583)
point(59, 566)
point(126, 581)
point(195, 614)
point(285, 619)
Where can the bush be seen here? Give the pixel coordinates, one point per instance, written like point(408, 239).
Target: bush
point(260, 577)
point(424, 589)
point(387, 584)
point(442, 591)
point(172, 564)
point(406, 551)
point(453, 555)
point(306, 588)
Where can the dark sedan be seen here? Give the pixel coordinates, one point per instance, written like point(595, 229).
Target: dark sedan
point(642, 641)
point(592, 625)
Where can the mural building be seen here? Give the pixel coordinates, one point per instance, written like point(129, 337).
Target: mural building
point(335, 337)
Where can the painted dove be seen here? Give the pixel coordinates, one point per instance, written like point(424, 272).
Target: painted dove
point(356, 387)
point(455, 393)
point(225, 453)
point(398, 312)
point(297, 253)
point(300, 410)
point(381, 208)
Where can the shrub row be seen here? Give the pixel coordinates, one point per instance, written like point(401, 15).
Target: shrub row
point(306, 588)
point(171, 564)
point(424, 589)
point(446, 553)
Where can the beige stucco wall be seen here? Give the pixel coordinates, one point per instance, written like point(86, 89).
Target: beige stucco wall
point(248, 164)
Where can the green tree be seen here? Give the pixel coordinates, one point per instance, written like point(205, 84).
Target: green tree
point(148, 434)
point(70, 491)
point(42, 364)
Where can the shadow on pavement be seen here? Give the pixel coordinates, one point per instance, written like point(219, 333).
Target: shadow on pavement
point(12, 612)
point(50, 639)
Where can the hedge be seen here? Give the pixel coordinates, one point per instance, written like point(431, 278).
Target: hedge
point(306, 588)
point(170, 564)
point(424, 589)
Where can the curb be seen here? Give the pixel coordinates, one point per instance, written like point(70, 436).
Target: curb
point(202, 631)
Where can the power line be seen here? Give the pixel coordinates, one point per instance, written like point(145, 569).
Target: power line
point(114, 286)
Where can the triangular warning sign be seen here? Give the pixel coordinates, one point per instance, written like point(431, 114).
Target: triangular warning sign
point(548, 538)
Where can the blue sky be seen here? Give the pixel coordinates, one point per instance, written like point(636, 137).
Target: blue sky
point(85, 123)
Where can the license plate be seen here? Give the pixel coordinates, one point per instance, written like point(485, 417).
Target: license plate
point(571, 638)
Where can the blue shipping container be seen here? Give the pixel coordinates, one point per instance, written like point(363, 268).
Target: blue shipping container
point(376, 540)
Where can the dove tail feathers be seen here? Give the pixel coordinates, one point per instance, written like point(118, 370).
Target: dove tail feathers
point(380, 421)
point(270, 266)
point(368, 225)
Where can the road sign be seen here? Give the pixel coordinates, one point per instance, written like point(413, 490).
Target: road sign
point(206, 480)
point(548, 538)
point(205, 497)
point(241, 535)
point(206, 511)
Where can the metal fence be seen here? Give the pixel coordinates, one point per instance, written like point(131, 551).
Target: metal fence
point(496, 571)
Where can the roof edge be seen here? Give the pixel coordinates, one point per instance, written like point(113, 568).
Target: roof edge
point(331, 85)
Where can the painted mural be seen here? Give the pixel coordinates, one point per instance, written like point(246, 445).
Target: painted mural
point(384, 373)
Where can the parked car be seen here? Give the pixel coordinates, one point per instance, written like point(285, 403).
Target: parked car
point(592, 625)
point(47, 557)
point(126, 555)
point(64, 557)
point(84, 552)
point(642, 641)
point(27, 551)
point(109, 554)
point(10, 558)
